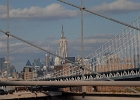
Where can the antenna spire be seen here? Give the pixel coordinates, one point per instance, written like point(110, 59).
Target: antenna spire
point(62, 32)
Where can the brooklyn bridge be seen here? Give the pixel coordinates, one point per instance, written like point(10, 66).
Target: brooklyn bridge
point(112, 71)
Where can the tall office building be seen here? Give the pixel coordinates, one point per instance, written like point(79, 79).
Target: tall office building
point(36, 62)
point(12, 70)
point(62, 48)
point(47, 61)
point(28, 63)
point(56, 61)
point(2, 65)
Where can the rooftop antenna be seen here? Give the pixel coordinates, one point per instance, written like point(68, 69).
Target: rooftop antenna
point(62, 32)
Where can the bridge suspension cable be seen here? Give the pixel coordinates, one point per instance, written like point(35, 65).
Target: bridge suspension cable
point(113, 37)
point(7, 33)
point(8, 61)
point(111, 19)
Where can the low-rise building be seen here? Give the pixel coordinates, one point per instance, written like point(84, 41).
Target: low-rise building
point(27, 73)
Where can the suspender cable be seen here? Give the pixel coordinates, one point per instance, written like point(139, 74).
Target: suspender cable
point(7, 61)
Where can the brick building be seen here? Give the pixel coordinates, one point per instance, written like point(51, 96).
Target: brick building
point(61, 70)
point(113, 64)
point(27, 73)
point(65, 71)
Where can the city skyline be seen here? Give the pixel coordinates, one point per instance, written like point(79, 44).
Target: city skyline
point(40, 23)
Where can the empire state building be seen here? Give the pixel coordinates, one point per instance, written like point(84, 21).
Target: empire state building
point(62, 48)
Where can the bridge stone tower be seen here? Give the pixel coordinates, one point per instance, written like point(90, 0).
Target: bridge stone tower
point(62, 48)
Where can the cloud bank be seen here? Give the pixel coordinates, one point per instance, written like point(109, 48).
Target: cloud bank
point(53, 11)
point(57, 11)
point(117, 7)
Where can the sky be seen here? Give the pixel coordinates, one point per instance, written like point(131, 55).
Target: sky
point(40, 22)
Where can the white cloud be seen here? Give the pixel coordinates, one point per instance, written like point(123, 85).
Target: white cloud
point(117, 7)
point(17, 45)
point(1, 44)
point(95, 39)
point(3, 9)
point(91, 44)
point(53, 11)
point(3, 38)
point(23, 48)
point(90, 41)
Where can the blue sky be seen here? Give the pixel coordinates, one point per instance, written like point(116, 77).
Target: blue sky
point(40, 22)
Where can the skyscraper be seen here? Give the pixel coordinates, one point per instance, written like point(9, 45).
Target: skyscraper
point(47, 61)
point(36, 62)
point(2, 67)
point(62, 48)
point(28, 63)
point(56, 60)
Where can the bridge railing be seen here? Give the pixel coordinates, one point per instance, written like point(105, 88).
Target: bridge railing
point(121, 52)
point(69, 71)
